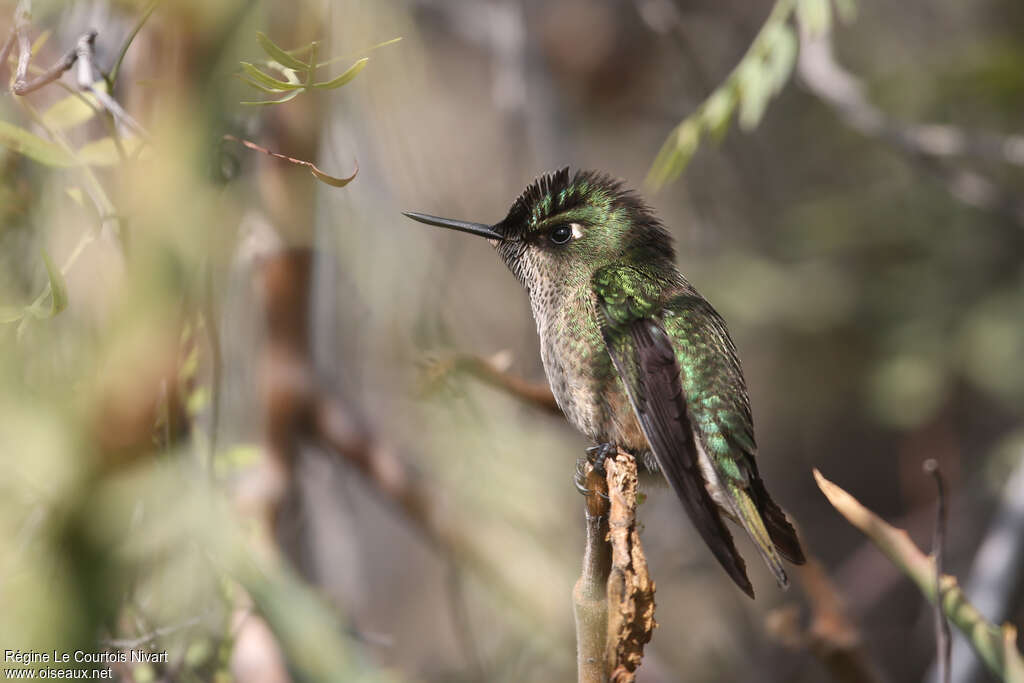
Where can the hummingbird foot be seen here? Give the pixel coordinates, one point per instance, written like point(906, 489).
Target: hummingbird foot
point(599, 453)
point(580, 478)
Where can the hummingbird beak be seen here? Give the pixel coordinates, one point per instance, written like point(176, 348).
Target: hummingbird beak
point(462, 226)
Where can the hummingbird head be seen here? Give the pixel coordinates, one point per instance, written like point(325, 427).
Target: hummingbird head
point(565, 226)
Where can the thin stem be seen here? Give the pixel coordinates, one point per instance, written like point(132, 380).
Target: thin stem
point(115, 71)
point(942, 636)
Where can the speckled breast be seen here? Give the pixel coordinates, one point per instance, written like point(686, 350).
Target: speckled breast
point(581, 373)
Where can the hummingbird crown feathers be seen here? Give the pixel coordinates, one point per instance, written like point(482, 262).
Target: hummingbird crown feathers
point(563, 190)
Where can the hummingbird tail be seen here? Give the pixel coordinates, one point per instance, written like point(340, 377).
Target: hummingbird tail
point(750, 517)
point(780, 530)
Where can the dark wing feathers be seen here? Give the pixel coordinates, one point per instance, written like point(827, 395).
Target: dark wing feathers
point(782, 533)
point(646, 362)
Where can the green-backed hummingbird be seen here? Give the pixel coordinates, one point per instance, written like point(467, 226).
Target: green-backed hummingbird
point(636, 357)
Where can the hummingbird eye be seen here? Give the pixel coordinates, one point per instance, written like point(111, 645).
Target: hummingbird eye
point(560, 234)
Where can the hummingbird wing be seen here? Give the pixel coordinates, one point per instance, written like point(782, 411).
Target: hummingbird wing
point(684, 381)
point(646, 362)
point(713, 386)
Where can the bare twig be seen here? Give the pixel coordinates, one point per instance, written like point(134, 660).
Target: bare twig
point(996, 571)
point(996, 646)
point(929, 145)
point(492, 371)
point(834, 639)
point(320, 175)
point(21, 85)
point(832, 636)
point(85, 51)
point(83, 54)
point(630, 588)
point(590, 594)
point(942, 637)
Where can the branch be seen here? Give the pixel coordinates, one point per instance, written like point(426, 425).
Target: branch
point(613, 600)
point(997, 569)
point(630, 588)
point(929, 145)
point(834, 638)
point(832, 635)
point(22, 86)
point(942, 637)
point(996, 646)
point(83, 54)
point(590, 594)
point(492, 371)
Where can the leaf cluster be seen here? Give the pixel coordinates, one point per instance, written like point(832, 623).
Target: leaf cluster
point(297, 76)
point(760, 76)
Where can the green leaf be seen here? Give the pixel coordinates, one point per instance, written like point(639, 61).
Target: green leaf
point(676, 153)
point(263, 103)
point(331, 180)
point(781, 58)
point(34, 147)
point(344, 78)
point(58, 288)
point(718, 110)
point(266, 80)
point(814, 15)
point(755, 91)
point(73, 109)
point(279, 55)
point(687, 139)
point(262, 88)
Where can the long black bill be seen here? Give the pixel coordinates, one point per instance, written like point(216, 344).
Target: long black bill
point(462, 226)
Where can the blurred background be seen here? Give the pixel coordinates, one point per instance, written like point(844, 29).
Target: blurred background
point(159, 393)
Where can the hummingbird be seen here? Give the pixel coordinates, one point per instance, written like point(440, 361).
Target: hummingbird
point(636, 358)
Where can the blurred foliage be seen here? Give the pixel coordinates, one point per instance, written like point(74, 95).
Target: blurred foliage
point(760, 75)
point(299, 75)
point(117, 541)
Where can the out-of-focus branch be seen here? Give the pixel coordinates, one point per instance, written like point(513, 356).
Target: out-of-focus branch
point(492, 371)
point(22, 86)
point(832, 636)
point(996, 572)
point(996, 646)
point(82, 54)
point(630, 588)
point(942, 637)
point(590, 594)
point(931, 146)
